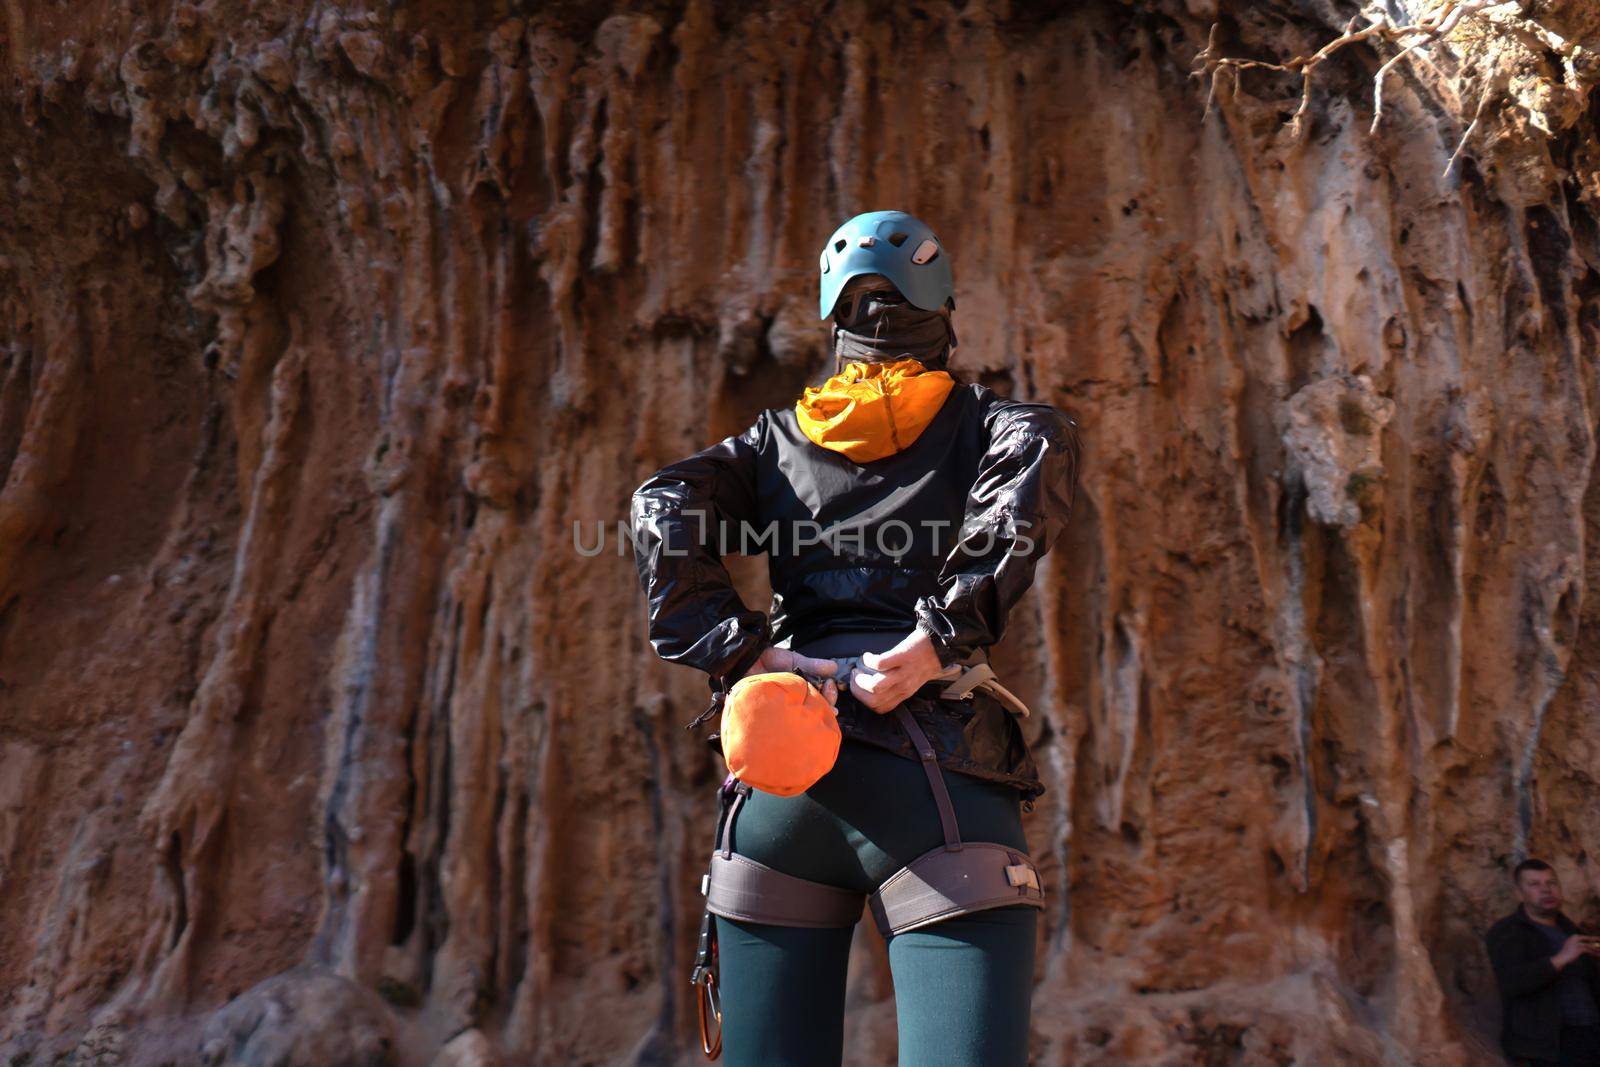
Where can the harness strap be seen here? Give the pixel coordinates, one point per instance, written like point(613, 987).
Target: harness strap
point(962, 680)
point(1012, 702)
point(741, 888)
point(930, 762)
point(730, 812)
point(930, 766)
point(966, 679)
point(941, 884)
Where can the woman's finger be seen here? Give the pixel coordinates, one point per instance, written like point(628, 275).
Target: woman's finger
point(812, 665)
point(762, 665)
point(880, 661)
point(869, 681)
point(898, 656)
point(877, 691)
point(861, 692)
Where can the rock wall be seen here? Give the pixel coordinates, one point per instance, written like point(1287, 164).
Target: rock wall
point(323, 739)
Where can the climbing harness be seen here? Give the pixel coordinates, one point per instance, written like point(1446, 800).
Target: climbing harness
point(955, 878)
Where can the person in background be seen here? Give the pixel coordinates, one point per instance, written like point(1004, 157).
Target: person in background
point(1548, 977)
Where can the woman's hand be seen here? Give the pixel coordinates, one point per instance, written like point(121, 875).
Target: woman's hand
point(896, 674)
point(781, 659)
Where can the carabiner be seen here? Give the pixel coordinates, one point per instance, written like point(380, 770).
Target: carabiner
point(706, 996)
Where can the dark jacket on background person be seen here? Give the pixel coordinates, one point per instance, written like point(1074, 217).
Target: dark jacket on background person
point(1530, 990)
point(999, 475)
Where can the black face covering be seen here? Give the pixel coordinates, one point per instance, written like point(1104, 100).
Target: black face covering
point(874, 323)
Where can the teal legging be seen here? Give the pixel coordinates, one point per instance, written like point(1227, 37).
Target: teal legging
point(962, 987)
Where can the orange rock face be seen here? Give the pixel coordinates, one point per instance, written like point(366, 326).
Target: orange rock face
point(334, 340)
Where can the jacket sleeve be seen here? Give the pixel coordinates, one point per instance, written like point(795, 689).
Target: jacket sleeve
point(1017, 508)
point(1515, 972)
point(681, 518)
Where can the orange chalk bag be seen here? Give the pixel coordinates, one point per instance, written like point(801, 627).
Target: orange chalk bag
point(779, 733)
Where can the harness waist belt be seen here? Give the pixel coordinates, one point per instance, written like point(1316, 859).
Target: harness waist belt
point(958, 681)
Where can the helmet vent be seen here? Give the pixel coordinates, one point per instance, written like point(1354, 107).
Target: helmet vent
point(838, 246)
point(926, 252)
point(898, 239)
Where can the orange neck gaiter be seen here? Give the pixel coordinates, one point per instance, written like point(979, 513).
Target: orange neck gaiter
point(871, 410)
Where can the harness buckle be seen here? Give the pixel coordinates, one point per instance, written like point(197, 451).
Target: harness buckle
point(1020, 874)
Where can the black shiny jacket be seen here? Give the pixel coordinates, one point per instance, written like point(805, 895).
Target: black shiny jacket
point(943, 535)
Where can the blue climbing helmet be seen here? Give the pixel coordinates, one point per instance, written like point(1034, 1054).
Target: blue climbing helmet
point(902, 248)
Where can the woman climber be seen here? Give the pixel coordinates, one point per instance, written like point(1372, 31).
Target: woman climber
point(876, 759)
